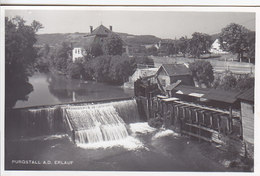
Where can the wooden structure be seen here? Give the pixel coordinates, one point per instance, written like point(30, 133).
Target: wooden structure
point(168, 74)
point(202, 122)
point(247, 117)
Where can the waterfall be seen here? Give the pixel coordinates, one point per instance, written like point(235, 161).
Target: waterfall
point(84, 123)
point(96, 123)
point(40, 121)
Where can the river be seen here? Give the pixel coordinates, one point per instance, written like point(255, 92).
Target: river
point(52, 89)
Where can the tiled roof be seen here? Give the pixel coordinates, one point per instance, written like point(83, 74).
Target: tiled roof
point(176, 69)
point(247, 95)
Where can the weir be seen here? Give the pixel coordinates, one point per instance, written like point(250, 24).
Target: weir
point(84, 122)
point(96, 123)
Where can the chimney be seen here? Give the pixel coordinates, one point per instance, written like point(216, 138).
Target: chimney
point(91, 29)
point(110, 28)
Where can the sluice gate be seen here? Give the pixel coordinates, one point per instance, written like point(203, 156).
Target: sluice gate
point(201, 122)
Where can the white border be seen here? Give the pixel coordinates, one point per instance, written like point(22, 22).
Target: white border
point(135, 2)
point(194, 9)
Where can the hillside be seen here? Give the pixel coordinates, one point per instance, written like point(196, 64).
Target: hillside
point(55, 39)
point(133, 40)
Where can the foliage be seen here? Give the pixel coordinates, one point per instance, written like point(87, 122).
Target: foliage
point(144, 60)
point(113, 45)
point(245, 82)
point(95, 50)
point(62, 58)
point(229, 82)
point(152, 51)
point(76, 70)
point(234, 38)
point(202, 71)
point(42, 61)
point(182, 45)
point(120, 69)
point(112, 69)
point(171, 48)
point(199, 44)
point(19, 58)
point(232, 82)
point(251, 46)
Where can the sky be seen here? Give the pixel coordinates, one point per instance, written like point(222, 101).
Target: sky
point(163, 24)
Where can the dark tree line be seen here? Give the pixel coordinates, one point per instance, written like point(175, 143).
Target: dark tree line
point(20, 57)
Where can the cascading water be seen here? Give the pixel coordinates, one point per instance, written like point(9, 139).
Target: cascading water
point(96, 123)
point(41, 121)
point(85, 122)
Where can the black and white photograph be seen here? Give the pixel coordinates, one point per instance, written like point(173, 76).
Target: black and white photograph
point(133, 89)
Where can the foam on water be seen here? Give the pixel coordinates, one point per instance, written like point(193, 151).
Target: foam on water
point(129, 143)
point(165, 132)
point(141, 127)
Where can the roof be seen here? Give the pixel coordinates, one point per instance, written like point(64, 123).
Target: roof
point(190, 90)
point(172, 86)
point(175, 69)
point(85, 42)
point(222, 95)
point(101, 30)
point(210, 94)
point(247, 95)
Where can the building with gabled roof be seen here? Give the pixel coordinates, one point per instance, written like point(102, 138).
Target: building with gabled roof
point(96, 37)
point(169, 74)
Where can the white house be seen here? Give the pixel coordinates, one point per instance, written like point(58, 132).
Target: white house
point(77, 53)
point(216, 49)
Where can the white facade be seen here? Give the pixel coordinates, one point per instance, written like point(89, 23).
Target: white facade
point(77, 53)
point(215, 48)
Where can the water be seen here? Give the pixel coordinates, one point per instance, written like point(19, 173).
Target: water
point(145, 149)
point(52, 89)
point(97, 123)
point(91, 123)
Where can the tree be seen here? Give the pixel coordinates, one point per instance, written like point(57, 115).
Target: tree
point(113, 45)
point(182, 45)
point(233, 38)
point(76, 70)
point(171, 48)
point(19, 58)
point(251, 47)
point(228, 82)
point(199, 44)
point(110, 69)
point(245, 82)
point(202, 71)
point(62, 58)
point(95, 50)
point(152, 51)
point(121, 67)
point(43, 59)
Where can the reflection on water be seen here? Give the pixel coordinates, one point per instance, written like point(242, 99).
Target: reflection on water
point(53, 89)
